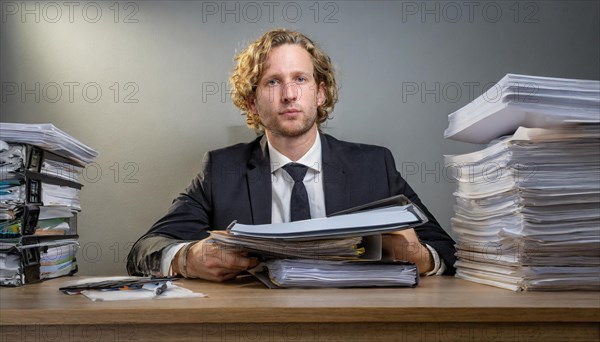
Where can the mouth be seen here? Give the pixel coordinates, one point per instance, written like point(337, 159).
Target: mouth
point(290, 111)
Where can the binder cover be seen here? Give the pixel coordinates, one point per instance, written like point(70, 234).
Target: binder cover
point(384, 216)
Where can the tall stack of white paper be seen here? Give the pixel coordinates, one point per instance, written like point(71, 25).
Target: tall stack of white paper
point(527, 213)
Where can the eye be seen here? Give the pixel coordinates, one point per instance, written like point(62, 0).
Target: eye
point(272, 83)
point(301, 79)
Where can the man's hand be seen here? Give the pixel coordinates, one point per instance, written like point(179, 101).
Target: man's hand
point(212, 261)
point(405, 245)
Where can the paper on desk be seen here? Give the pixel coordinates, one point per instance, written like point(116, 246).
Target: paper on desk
point(147, 292)
point(172, 291)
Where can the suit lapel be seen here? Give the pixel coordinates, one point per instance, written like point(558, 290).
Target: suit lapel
point(334, 178)
point(259, 183)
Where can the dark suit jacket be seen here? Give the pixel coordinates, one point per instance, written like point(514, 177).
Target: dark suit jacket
point(235, 184)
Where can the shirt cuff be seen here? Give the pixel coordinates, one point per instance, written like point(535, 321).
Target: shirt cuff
point(439, 266)
point(167, 257)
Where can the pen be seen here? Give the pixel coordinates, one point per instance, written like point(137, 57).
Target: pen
point(160, 289)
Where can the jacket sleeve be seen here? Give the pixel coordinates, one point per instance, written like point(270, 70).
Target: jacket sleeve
point(431, 232)
point(188, 219)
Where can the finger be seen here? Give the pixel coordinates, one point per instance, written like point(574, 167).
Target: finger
point(236, 261)
point(225, 274)
point(212, 269)
point(220, 254)
point(216, 262)
point(222, 257)
point(221, 275)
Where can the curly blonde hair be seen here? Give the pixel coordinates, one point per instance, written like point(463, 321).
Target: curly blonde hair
point(250, 64)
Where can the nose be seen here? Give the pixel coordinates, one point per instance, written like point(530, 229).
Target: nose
point(291, 92)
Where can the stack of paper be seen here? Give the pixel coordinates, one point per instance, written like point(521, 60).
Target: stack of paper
point(323, 273)
point(13, 158)
point(527, 211)
point(521, 100)
point(57, 261)
point(343, 248)
point(40, 168)
point(331, 251)
point(48, 137)
point(11, 273)
point(56, 221)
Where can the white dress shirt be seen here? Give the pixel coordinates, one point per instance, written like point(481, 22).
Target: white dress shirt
point(282, 183)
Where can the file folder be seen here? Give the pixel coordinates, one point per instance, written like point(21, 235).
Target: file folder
point(375, 218)
point(342, 250)
point(35, 156)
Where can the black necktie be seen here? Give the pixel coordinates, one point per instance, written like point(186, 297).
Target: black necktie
point(299, 208)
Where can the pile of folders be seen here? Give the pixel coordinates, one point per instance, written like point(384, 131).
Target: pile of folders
point(342, 250)
point(40, 167)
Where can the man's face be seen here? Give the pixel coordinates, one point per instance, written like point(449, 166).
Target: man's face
point(287, 95)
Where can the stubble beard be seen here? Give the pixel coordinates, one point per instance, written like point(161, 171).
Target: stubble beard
point(293, 131)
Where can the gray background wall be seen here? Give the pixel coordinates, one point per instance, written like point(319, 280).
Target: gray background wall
point(162, 69)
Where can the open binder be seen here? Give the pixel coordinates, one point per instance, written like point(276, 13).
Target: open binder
point(351, 234)
point(384, 216)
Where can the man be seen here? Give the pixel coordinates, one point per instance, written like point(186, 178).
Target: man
point(286, 87)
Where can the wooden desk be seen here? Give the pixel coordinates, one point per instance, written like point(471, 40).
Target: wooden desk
point(440, 309)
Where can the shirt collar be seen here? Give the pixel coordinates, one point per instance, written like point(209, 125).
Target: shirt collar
point(311, 159)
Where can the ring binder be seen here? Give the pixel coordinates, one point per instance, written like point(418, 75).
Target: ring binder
point(39, 202)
